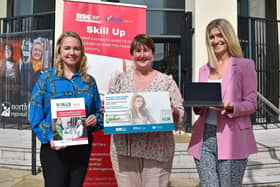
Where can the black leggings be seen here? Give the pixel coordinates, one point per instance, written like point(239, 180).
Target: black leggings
point(65, 168)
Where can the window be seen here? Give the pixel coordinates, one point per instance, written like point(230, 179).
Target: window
point(163, 16)
point(29, 7)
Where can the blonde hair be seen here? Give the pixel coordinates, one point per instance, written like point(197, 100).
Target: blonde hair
point(31, 51)
point(81, 66)
point(228, 33)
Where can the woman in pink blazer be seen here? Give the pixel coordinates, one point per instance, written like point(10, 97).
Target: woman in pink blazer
point(222, 138)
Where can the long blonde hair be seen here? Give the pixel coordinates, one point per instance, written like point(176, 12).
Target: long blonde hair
point(58, 63)
point(229, 35)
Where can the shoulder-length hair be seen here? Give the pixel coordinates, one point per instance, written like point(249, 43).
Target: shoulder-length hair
point(81, 66)
point(229, 35)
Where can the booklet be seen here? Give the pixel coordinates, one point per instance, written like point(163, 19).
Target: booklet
point(137, 112)
point(68, 121)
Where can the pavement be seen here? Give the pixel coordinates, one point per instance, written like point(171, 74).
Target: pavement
point(23, 178)
point(19, 178)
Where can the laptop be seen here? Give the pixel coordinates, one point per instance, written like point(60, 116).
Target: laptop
point(203, 94)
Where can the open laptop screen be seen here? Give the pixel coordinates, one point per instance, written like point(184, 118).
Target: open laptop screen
point(203, 94)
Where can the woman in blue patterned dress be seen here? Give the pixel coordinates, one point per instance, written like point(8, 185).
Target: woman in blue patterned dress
point(65, 166)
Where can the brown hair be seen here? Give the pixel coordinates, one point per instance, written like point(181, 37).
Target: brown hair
point(142, 39)
point(142, 110)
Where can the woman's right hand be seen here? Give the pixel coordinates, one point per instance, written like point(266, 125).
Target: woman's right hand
point(56, 148)
point(216, 108)
point(228, 106)
point(102, 109)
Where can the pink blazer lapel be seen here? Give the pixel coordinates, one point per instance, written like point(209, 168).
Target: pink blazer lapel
point(229, 77)
point(204, 73)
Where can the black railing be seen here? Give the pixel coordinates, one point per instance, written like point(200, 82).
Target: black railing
point(186, 47)
point(260, 42)
point(24, 24)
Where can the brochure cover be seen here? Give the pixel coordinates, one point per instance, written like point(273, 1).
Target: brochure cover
point(137, 112)
point(68, 121)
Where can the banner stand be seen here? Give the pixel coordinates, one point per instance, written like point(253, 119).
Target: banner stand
point(107, 30)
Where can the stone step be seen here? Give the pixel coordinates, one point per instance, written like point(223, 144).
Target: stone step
point(264, 181)
point(186, 161)
point(182, 160)
point(263, 167)
point(181, 156)
point(252, 171)
point(182, 148)
point(17, 157)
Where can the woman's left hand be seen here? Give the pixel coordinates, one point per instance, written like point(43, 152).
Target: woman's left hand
point(229, 106)
point(175, 113)
point(91, 120)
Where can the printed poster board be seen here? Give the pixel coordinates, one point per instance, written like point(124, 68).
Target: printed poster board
point(23, 58)
point(68, 121)
point(137, 112)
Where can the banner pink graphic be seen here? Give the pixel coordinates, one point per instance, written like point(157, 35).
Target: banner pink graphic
point(106, 30)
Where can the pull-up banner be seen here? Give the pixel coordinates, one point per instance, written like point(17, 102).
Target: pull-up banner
point(107, 30)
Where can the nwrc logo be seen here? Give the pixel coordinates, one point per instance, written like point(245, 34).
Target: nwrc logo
point(112, 20)
point(82, 17)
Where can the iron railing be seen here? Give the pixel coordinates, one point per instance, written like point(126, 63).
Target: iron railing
point(27, 24)
point(259, 39)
